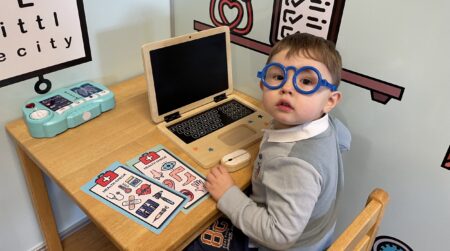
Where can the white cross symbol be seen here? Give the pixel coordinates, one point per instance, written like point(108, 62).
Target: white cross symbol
point(107, 178)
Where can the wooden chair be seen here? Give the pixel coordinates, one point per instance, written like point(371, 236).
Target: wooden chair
point(360, 234)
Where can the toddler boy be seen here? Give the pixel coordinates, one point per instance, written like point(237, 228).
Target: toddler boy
point(298, 173)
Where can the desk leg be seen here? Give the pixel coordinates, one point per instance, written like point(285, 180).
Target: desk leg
point(41, 202)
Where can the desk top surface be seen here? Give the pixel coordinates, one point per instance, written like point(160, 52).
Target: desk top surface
point(76, 156)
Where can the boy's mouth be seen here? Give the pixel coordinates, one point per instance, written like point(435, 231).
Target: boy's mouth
point(284, 105)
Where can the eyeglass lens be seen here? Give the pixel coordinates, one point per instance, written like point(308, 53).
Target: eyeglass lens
point(306, 80)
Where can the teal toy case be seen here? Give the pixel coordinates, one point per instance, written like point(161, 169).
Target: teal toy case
point(55, 112)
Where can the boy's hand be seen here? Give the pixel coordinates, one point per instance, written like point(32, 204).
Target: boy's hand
point(218, 181)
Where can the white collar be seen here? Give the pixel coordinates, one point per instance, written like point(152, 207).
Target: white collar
point(300, 132)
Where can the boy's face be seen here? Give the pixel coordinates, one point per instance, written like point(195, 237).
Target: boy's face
point(290, 108)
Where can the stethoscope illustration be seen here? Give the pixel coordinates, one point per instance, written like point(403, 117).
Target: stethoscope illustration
point(112, 196)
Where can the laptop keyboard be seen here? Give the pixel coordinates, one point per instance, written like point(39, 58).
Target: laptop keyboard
point(210, 120)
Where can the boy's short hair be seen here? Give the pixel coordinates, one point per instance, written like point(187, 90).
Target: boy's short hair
point(312, 47)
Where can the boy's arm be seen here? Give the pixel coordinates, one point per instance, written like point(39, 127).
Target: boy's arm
point(292, 187)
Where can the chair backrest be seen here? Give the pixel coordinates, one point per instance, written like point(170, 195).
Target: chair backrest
point(360, 234)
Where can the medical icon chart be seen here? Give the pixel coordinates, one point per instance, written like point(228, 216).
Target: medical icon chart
point(141, 199)
point(164, 167)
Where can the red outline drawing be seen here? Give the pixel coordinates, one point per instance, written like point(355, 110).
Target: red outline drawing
point(381, 91)
point(234, 25)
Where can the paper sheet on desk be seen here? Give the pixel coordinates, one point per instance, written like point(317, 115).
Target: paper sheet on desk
point(165, 167)
point(137, 197)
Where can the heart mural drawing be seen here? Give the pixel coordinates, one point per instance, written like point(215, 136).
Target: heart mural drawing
point(321, 18)
point(231, 13)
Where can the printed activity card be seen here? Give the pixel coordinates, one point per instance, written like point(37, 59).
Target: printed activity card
point(139, 198)
point(163, 166)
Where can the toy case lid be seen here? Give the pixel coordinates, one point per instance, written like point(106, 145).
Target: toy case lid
point(186, 72)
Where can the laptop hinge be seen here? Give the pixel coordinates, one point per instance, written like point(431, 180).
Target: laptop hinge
point(220, 97)
point(172, 116)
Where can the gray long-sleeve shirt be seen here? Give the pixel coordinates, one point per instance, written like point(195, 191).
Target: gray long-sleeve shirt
point(296, 179)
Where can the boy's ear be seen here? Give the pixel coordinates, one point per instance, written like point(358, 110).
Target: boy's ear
point(261, 85)
point(333, 100)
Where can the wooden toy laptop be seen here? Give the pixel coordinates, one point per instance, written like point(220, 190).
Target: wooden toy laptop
point(191, 97)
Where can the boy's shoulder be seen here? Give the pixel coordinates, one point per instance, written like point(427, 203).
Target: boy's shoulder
point(343, 134)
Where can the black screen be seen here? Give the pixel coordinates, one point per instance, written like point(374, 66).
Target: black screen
point(187, 72)
point(86, 90)
point(56, 102)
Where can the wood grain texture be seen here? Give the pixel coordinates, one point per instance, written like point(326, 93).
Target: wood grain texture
point(41, 203)
point(76, 156)
point(88, 238)
point(360, 234)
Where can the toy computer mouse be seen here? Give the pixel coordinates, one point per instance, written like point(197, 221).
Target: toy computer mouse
point(236, 160)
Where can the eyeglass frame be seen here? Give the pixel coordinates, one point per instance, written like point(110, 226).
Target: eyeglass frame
point(321, 82)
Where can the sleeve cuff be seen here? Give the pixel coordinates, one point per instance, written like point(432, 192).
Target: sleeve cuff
point(231, 202)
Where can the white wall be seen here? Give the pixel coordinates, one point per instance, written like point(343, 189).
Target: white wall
point(398, 146)
point(116, 29)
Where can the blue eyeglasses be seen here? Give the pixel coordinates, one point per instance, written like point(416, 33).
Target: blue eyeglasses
point(306, 80)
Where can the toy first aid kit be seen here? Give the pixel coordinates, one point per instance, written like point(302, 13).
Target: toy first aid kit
point(53, 113)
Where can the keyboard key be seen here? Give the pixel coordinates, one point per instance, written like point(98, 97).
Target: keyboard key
point(209, 121)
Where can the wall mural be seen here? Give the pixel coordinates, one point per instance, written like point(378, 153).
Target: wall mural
point(318, 17)
point(388, 243)
point(321, 18)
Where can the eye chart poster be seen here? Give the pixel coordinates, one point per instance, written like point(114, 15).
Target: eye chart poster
point(161, 165)
point(41, 36)
point(141, 199)
point(314, 17)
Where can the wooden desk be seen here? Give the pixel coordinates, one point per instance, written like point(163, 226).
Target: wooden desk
point(74, 157)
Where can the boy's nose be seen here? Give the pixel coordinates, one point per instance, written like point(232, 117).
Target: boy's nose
point(288, 87)
point(283, 91)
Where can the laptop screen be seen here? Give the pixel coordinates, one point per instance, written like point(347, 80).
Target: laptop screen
point(187, 72)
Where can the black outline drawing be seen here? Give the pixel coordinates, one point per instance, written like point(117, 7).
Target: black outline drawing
point(40, 72)
point(446, 162)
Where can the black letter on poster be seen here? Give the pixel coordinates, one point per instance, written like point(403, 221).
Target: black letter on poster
point(23, 5)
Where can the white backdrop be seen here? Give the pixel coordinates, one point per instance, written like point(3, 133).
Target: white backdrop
point(116, 32)
point(40, 35)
